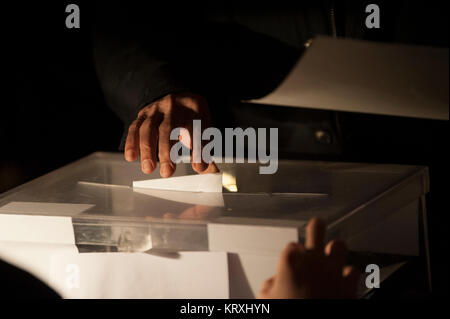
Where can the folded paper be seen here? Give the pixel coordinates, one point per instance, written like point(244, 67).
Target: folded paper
point(397, 84)
point(209, 183)
point(45, 208)
point(36, 229)
point(199, 198)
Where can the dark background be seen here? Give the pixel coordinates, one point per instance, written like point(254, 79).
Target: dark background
point(53, 111)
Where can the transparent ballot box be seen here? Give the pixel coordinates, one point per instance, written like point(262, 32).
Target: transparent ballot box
point(91, 205)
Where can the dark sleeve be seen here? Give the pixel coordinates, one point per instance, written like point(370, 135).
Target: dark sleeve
point(132, 53)
point(144, 51)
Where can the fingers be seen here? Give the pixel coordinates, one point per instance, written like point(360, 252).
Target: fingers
point(196, 212)
point(169, 216)
point(212, 168)
point(151, 131)
point(167, 167)
point(132, 142)
point(351, 277)
point(148, 138)
point(315, 235)
point(336, 250)
point(289, 259)
point(197, 162)
point(266, 286)
point(200, 167)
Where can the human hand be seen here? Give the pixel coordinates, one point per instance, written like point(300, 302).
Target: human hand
point(151, 130)
point(310, 271)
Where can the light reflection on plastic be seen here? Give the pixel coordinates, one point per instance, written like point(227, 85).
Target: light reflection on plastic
point(229, 182)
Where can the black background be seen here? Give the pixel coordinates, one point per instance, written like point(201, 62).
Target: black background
point(53, 111)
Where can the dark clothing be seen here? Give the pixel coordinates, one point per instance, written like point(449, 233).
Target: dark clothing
point(144, 51)
point(224, 51)
point(18, 284)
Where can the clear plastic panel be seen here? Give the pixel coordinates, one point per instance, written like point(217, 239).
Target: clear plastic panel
point(127, 219)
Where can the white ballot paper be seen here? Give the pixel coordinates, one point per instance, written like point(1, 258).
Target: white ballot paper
point(140, 275)
point(209, 183)
point(45, 208)
point(30, 222)
point(368, 77)
point(198, 198)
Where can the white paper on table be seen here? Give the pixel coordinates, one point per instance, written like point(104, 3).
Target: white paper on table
point(264, 239)
point(45, 208)
point(36, 229)
point(29, 222)
point(140, 275)
point(209, 183)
